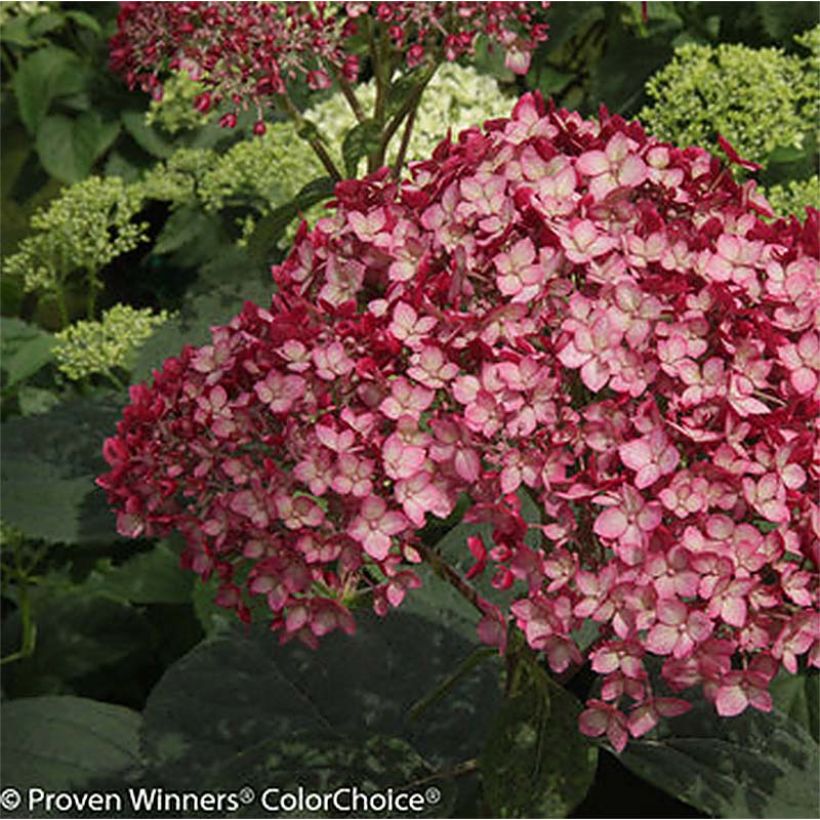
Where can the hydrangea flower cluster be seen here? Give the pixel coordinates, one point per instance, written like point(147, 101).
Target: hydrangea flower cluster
point(81, 231)
point(89, 348)
point(758, 99)
point(557, 306)
point(244, 54)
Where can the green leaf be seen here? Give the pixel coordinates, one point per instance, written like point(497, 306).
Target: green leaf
point(48, 469)
point(26, 348)
point(798, 697)
point(753, 765)
point(785, 154)
point(212, 617)
point(269, 229)
point(153, 577)
point(187, 225)
point(15, 32)
point(145, 136)
point(536, 762)
point(85, 20)
point(44, 23)
point(351, 690)
point(60, 743)
point(68, 147)
point(360, 141)
point(42, 76)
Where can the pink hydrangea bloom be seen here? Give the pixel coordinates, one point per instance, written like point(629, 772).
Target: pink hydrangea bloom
point(653, 394)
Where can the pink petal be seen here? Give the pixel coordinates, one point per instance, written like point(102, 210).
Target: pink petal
point(731, 700)
point(611, 523)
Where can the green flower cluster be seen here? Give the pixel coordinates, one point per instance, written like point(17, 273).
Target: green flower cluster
point(268, 171)
point(175, 111)
point(794, 196)
point(758, 99)
point(90, 347)
point(82, 230)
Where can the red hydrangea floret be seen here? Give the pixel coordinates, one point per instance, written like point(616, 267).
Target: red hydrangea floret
point(554, 306)
point(245, 53)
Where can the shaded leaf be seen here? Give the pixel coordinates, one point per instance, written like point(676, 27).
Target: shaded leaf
point(258, 693)
point(60, 743)
point(536, 762)
point(270, 229)
point(753, 765)
point(360, 141)
point(48, 468)
point(69, 146)
point(26, 348)
point(43, 75)
point(146, 136)
point(153, 577)
point(77, 634)
point(798, 697)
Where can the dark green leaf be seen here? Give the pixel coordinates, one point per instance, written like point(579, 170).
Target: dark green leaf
point(35, 400)
point(60, 743)
point(145, 136)
point(753, 765)
point(153, 577)
point(212, 617)
point(78, 633)
point(269, 229)
point(48, 469)
point(257, 693)
point(15, 32)
point(85, 20)
point(536, 762)
point(798, 697)
point(68, 147)
point(44, 23)
point(26, 348)
point(47, 73)
point(360, 141)
point(187, 225)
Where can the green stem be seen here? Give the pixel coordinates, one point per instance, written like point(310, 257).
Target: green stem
point(405, 141)
point(116, 380)
point(448, 574)
point(62, 307)
point(409, 105)
point(29, 628)
point(93, 289)
point(349, 94)
point(315, 143)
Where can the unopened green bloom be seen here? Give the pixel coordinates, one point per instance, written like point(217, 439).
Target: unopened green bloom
point(755, 98)
point(99, 347)
point(87, 226)
point(175, 111)
point(178, 179)
point(794, 196)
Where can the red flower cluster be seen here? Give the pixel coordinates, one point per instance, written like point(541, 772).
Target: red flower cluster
point(244, 53)
point(556, 306)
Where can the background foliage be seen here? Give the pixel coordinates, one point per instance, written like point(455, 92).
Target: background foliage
point(129, 228)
